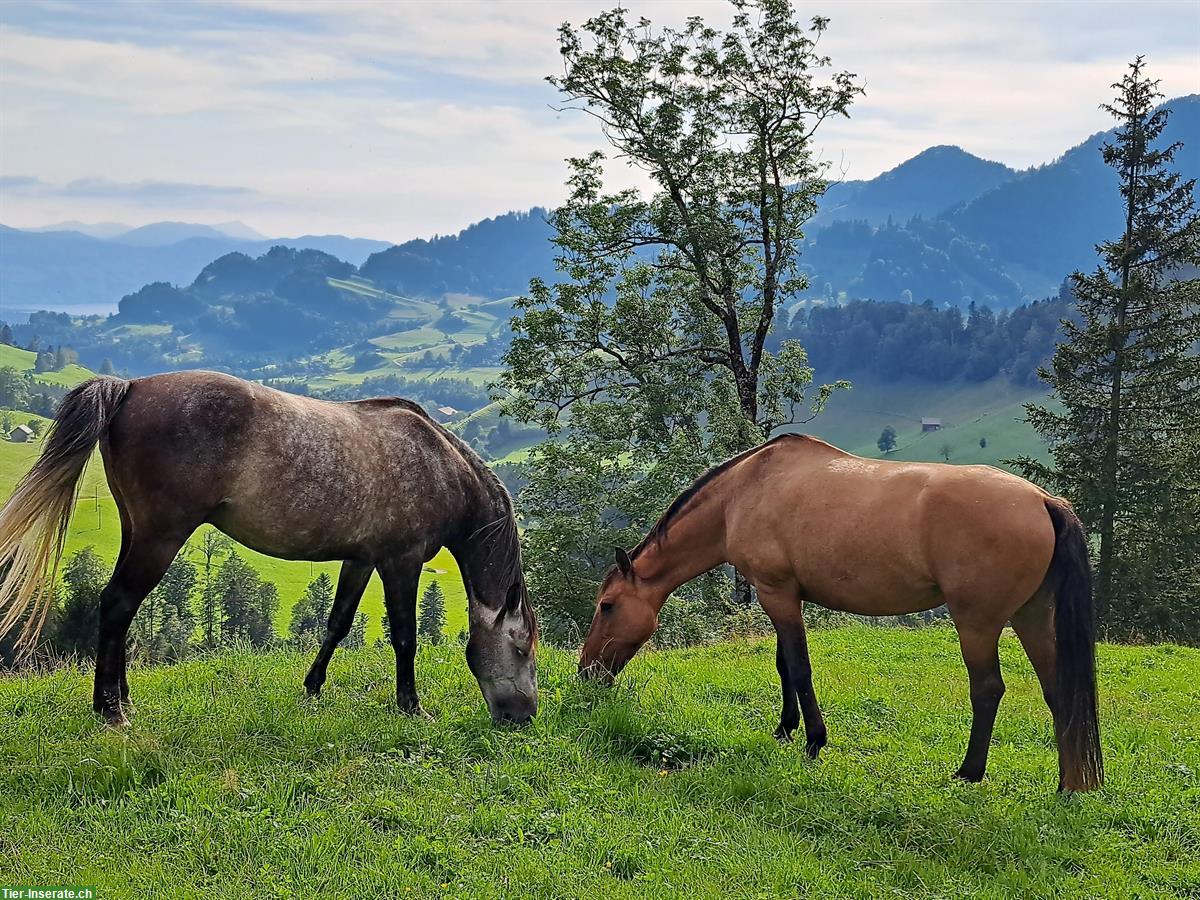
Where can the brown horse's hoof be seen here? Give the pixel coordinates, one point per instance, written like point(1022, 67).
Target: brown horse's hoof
point(783, 735)
point(969, 776)
point(814, 744)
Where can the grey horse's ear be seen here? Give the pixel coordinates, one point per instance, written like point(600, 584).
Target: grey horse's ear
point(512, 602)
point(624, 563)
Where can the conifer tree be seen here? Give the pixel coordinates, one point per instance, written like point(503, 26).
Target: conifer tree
point(310, 615)
point(431, 617)
point(1128, 379)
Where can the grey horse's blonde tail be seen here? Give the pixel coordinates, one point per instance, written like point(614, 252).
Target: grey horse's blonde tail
point(33, 523)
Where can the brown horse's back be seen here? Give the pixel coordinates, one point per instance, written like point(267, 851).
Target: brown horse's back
point(878, 537)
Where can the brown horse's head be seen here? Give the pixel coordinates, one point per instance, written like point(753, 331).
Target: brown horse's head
point(626, 615)
point(501, 654)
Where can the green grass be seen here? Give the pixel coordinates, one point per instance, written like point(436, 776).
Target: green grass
point(96, 523)
point(24, 360)
point(667, 786)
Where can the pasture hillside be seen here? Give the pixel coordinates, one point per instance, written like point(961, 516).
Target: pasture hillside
point(992, 410)
point(95, 523)
point(24, 361)
point(669, 785)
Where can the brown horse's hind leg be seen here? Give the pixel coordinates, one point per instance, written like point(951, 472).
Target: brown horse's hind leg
point(1034, 625)
point(400, 579)
point(352, 581)
point(980, 652)
point(137, 573)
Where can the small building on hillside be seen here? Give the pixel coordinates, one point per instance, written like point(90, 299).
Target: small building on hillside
point(448, 411)
point(21, 434)
point(928, 424)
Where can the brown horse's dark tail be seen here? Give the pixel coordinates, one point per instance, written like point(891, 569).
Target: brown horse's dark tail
point(1076, 723)
point(33, 523)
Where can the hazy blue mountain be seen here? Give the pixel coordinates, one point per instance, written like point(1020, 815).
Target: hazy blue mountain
point(1048, 219)
point(942, 226)
point(491, 259)
point(928, 184)
point(91, 229)
point(161, 234)
point(73, 272)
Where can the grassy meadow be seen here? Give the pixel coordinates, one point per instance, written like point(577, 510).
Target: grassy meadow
point(668, 785)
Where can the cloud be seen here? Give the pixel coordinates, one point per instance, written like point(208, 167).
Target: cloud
point(153, 193)
point(20, 182)
point(396, 120)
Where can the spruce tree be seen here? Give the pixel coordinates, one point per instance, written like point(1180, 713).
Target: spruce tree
point(310, 615)
point(431, 618)
point(1127, 377)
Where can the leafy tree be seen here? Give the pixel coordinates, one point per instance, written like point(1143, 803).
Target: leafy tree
point(887, 440)
point(431, 617)
point(6, 334)
point(6, 423)
point(77, 624)
point(945, 451)
point(1128, 379)
point(36, 426)
point(652, 356)
point(14, 389)
point(310, 615)
point(106, 367)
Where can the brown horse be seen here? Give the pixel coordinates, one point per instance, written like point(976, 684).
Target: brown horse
point(375, 483)
point(805, 521)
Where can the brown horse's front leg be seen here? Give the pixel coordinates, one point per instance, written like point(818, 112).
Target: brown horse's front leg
point(981, 655)
point(400, 580)
point(789, 716)
point(786, 611)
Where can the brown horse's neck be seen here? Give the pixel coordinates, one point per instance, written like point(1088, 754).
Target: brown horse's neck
point(694, 543)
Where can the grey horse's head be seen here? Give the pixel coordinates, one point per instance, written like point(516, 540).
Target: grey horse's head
point(501, 653)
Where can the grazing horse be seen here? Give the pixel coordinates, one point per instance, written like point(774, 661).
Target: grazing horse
point(805, 521)
point(374, 483)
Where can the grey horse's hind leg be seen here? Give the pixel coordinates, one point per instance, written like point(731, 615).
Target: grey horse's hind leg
point(137, 574)
point(400, 579)
point(352, 581)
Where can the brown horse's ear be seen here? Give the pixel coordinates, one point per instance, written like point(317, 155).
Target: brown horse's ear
point(624, 563)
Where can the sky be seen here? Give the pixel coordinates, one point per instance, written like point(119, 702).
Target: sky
point(395, 120)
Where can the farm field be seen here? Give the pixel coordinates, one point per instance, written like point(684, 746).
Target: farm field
point(96, 523)
point(668, 785)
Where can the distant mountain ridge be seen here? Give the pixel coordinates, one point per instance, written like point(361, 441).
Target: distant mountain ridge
point(946, 226)
point(930, 183)
point(76, 272)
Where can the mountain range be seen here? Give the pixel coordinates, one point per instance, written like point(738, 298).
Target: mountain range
point(945, 225)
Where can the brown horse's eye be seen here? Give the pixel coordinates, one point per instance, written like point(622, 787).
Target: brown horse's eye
point(606, 606)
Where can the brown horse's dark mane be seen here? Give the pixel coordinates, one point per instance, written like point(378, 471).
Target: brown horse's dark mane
point(659, 531)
